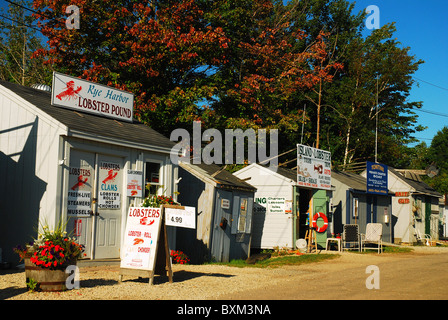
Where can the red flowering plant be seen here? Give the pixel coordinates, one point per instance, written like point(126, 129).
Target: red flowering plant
point(53, 249)
point(154, 201)
point(179, 257)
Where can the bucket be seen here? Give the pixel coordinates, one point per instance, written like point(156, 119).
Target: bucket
point(45, 279)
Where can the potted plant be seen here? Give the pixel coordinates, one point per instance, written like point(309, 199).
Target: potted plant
point(47, 257)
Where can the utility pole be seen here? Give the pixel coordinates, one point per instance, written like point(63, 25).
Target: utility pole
point(376, 123)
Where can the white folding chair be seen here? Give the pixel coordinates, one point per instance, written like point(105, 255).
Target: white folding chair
point(374, 234)
point(426, 238)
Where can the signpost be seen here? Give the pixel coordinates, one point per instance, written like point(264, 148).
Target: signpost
point(82, 95)
point(377, 178)
point(313, 167)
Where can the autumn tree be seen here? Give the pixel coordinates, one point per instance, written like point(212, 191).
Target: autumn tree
point(159, 50)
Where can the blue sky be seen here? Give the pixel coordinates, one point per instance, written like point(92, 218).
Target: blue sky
point(422, 26)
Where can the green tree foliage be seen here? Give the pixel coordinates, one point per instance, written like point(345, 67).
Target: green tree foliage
point(247, 64)
point(18, 40)
point(438, 155)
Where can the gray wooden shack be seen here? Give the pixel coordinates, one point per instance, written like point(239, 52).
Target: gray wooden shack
point(224, 206)
point(53, 164)
point(353, 205)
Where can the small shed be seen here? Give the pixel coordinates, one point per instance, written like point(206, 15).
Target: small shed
point(282, 209)
point(414, 207)
point(224, 206)
point(353, 205)
point(58, 164)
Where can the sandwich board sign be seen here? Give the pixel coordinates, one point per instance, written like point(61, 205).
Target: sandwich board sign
point(145, 247)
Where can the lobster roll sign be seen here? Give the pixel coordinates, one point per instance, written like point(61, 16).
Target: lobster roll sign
point(85, 96)
point(313, 167)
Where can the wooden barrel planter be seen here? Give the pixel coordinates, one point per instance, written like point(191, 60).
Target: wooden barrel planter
point(44, 279)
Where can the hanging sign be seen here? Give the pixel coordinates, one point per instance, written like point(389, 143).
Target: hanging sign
point(79, 193)
point(140, 238)
point(86, 96)
point(134, 185)
point(110, 188)
point(377, 178)
point(184, 218)
point(313, 167)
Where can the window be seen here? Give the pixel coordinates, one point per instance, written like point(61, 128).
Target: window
point(242, 217)
point(153, 179)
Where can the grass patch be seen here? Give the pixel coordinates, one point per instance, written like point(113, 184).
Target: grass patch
point(388, 249)
point(280, 261)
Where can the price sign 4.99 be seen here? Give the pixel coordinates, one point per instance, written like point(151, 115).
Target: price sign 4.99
point(185, 218)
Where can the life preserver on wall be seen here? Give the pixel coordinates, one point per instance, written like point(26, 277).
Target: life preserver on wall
point(324, 217)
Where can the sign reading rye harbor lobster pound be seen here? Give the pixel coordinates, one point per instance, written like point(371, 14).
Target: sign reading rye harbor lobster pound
point(85, 96)
point(313, 167)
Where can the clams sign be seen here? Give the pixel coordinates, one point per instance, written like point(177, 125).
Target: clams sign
point(85, 96)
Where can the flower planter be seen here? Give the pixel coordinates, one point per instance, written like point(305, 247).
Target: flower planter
point(45, 279)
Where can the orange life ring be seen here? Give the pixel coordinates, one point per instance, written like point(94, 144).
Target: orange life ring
point(317, 216)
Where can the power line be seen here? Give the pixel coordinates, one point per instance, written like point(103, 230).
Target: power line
point(431, 112)
point(432, 84)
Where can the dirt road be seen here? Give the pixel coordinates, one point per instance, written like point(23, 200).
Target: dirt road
point(421, 274)
point(418, 275)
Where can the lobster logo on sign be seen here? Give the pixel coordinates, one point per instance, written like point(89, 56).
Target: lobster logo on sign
point(70, 92)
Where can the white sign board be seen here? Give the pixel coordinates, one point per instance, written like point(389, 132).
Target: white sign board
point(225, 203)
point(276, 205)
point(110, 188)
point(313, 167)
point(85, 96)
point(79, 193)
point(78, 203)
point(140, 239)
point(134, 185)
point(185, 218)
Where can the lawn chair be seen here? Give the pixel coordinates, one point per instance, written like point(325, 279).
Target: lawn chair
point(350, 236)
point(426, 238)
point(374, 234)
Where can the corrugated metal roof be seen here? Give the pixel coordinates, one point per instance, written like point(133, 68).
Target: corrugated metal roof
point(136, 132)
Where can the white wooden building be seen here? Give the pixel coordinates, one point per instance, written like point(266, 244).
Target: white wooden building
point(58, 164)
point(281, 208)
point(415, 206)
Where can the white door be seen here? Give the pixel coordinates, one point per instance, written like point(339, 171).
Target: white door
point(79, 198)
point(109, 207)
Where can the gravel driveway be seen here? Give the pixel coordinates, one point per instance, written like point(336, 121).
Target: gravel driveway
point(208, 282)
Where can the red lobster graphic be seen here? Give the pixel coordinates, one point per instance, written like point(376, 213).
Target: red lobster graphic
point(70, 92)
point(110, 176)
point(80, 182)
point(319, 168)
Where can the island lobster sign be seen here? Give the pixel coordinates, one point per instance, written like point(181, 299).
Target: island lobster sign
point(85, 96)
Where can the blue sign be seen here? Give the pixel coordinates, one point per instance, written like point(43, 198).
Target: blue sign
point(377, 178)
